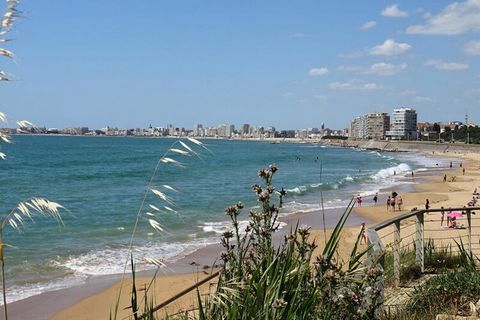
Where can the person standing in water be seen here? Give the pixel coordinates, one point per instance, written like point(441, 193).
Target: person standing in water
point(375, 198)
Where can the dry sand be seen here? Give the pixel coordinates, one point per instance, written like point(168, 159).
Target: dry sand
point(448, 194)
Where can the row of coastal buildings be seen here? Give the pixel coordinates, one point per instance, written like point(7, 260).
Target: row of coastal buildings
point(402, 125)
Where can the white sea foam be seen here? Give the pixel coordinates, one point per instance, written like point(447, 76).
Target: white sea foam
point(223, 226)
point(109, 260)
point(392, 171)
point(297, 190)
point(16, 292)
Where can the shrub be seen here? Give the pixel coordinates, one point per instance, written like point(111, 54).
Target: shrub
point(262, 280)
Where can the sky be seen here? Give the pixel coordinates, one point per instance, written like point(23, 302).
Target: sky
point(288, 64)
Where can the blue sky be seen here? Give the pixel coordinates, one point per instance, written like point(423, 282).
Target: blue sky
point(290, 64)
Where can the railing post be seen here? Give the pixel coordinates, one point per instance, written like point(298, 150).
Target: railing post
point(469, 230)
point(396, 252)
point(419, 242)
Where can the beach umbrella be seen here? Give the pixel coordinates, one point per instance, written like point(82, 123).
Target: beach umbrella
point(455, 214)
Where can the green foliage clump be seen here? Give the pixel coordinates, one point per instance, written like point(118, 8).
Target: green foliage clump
point(449, 292)
point(263, 280)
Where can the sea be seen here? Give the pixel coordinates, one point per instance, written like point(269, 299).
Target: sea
point(102, 182)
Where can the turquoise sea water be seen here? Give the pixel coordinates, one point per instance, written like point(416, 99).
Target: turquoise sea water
point(102, 180)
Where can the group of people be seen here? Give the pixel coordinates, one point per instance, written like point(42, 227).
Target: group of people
point(394, 201)
point(451, 221)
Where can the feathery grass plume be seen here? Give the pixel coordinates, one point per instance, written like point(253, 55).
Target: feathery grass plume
point(17, 218)
point(177, 149)
point(166, 186)
point(23, 212)
point(6, 24)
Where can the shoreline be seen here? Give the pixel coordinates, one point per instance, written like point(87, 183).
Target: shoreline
point(58, 302)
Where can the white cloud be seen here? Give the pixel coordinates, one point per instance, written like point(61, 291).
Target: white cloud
point(381, 69)
point(317, 72)
point(472, 48)
point(386, 69)
point(449, 66)
point(390, 48)
point(422, 99)
point(355, 85)
point(394, 12)
point(368, 25)
point(456, 18)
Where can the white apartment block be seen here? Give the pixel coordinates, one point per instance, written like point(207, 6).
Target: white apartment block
point(404, 124)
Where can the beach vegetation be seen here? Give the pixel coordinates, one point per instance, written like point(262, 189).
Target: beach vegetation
point(262, 279)
point(158, 200)
point(452, 291)
point(23, 213)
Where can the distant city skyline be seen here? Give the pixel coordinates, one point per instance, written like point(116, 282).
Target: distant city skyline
point(284, 64)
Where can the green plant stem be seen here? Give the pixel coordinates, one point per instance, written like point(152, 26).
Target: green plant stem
point(4, 287)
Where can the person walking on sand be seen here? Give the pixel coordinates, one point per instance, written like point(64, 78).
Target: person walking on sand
point(363, 237)
point(463, 170)
point(392, 203)
point(375, 198)
point(445, 178)
point(389, 201)
point(399, 203)
point(427, 204)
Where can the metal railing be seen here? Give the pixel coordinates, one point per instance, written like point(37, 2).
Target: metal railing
point(407, 232)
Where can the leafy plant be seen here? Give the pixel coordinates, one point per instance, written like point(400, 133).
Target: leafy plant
point(265, 280)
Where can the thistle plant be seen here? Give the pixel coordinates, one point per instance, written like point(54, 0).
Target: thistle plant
point(265, 280)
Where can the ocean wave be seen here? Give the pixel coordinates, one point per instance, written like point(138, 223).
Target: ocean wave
point(220, 227)
point(324, 186)
point(109, 260)
point(392, 171)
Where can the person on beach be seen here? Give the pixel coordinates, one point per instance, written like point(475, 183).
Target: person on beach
point(399, 203)
point(392, 203)
point(463, 170)
point(359, 201)
point(363, 237)
point(443, 216)
point(451, 164)
point(412, 174)
point(389, 201)
point(445, 178)
point(452, 223)
point(427, 204)
point(375, 198)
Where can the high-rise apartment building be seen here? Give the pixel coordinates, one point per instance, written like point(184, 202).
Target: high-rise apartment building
point(372, 125)
point(404, 124)
point(377, 124)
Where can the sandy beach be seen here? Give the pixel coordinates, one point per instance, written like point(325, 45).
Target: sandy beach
point(100, 300)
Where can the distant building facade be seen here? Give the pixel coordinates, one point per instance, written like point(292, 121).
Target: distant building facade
point(404, 124)
point(377, 124)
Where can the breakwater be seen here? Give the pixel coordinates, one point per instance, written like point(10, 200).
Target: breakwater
point(404, 146)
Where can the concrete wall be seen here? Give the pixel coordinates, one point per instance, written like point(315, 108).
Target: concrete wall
point(415, 146)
